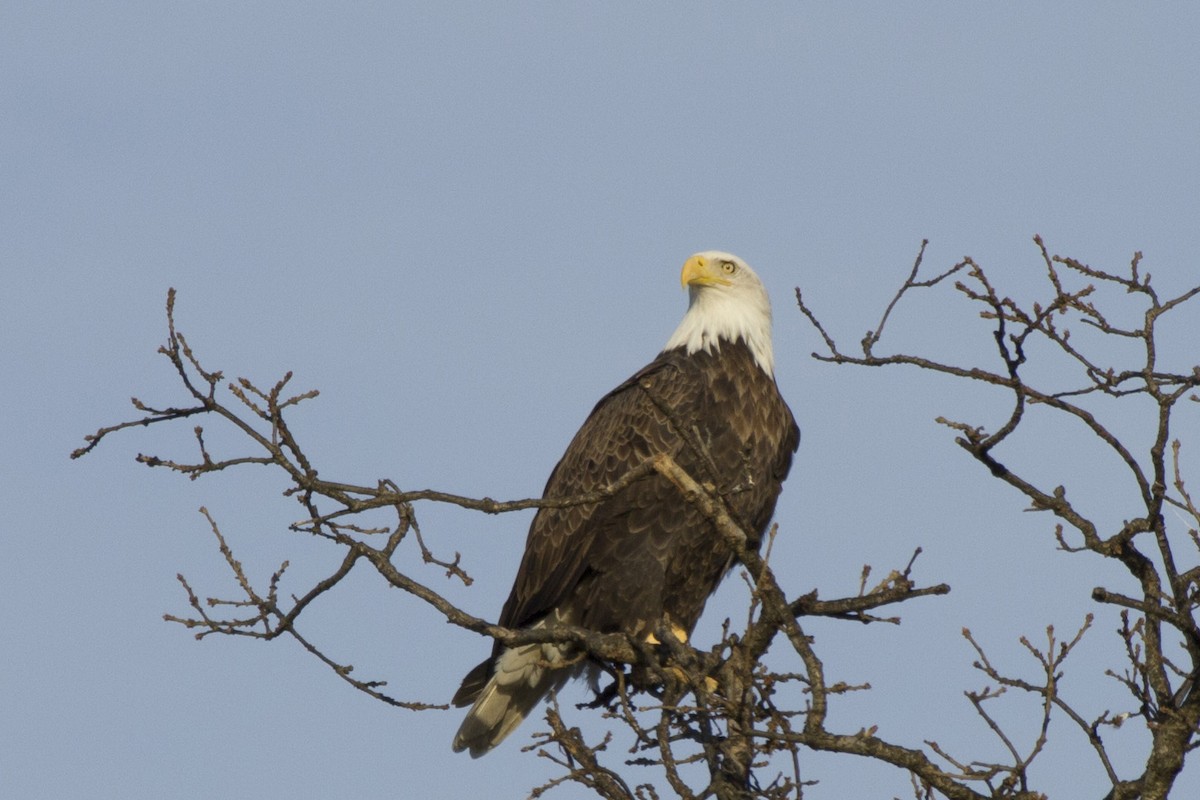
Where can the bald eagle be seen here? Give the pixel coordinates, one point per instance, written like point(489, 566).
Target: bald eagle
point(645, 557)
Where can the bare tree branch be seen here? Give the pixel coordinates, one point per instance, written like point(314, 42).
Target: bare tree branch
point(728, 722)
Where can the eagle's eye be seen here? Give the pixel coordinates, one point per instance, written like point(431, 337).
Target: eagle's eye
point(728, 267)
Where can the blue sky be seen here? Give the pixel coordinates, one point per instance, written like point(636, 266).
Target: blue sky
point(463, 223)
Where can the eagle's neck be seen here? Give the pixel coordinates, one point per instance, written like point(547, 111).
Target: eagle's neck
point(714, 317)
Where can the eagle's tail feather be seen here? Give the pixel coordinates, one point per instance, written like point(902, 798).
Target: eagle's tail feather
point(521, 677)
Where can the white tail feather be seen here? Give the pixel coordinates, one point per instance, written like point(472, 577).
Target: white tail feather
point(521, 678)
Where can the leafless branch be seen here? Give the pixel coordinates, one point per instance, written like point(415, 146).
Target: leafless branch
point(745, 724)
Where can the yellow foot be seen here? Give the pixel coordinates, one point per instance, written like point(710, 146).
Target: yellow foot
point(679, 633)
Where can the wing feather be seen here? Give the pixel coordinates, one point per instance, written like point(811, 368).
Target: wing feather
point(622, 431)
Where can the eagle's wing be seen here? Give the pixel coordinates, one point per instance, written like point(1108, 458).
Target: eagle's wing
point(625, 428)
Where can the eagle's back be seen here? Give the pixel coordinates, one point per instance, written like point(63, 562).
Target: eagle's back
point(644, 555)
point(619, 564)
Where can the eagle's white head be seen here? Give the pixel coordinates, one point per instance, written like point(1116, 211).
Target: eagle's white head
point(727, 302)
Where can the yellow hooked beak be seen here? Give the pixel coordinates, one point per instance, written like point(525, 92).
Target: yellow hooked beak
point(701, 271)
